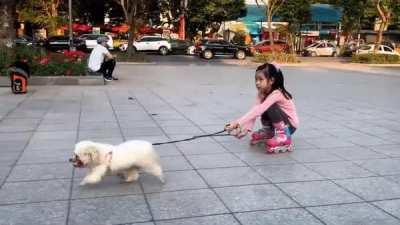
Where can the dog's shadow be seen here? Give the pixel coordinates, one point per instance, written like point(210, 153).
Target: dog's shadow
point(109, 186)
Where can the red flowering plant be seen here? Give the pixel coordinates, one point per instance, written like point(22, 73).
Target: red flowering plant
point(74, 56)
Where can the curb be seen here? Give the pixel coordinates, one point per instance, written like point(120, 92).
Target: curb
point(58, 80)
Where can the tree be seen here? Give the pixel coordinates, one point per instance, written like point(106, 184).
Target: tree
point(352, 13)
point(7, 19)
point(130, 9)
point(202, 13)
point(295, 12)
point(135, 10)
point(385, 12)
point(272, 6)
point(41, 12)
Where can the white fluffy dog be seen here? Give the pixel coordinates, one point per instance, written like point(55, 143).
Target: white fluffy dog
point(126, 159)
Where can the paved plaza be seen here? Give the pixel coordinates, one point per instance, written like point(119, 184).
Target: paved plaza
point(345, 169)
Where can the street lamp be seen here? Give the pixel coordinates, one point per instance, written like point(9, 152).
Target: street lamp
point(71, 46)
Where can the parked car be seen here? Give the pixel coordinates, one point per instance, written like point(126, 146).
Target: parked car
point(90, 40)
point(181, 46)
point(320, 48)
point(62, 42)
point(383, 49)
point(150, 44)
point(265, 46)
point(27, 41)
point(209, 48)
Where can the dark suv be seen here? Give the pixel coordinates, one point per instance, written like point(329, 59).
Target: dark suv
point(62, 42)
point(209, 48)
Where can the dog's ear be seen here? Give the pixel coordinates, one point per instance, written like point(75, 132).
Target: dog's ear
point(93, 153)
point(90, 150)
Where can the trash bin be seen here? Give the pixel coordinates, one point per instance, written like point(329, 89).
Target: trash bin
point(19, 74)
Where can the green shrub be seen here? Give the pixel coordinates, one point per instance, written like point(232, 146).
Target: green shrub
point(7, 57)
point(239, 38)
point(375, 59)
point(279, 57)
point(59, 69)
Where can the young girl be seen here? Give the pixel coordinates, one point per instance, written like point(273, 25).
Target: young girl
point(275, 106)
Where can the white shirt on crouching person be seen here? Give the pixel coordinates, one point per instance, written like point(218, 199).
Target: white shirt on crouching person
point(97, 56)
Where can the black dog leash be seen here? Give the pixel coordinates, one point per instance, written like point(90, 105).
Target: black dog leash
point(194, 137)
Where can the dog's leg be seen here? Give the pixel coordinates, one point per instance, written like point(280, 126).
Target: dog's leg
point(156, 171)
point(95, 176)
point(131, 175)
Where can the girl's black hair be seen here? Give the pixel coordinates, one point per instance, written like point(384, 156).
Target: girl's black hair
point(271, 72)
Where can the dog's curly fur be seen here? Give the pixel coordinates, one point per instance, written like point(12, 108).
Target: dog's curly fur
point(126, 159)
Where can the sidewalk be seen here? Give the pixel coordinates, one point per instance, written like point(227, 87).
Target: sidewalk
point(345, 169)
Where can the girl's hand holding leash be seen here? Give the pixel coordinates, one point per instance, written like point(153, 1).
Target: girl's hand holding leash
point(236, 130)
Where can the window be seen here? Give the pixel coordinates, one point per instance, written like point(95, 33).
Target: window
point(387, 49)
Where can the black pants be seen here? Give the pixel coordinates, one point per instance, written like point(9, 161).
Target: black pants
point(107, 68)
point(275, 114)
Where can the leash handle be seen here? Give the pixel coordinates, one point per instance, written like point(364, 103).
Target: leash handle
point(194, 137)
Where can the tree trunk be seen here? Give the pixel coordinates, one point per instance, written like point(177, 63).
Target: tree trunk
point(271, 37)
point(7, 20)
point(131, 36)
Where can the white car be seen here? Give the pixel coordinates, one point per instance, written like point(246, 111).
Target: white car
point(383, 49)
point(150, 43)
point(91, 40)
point(323, 48)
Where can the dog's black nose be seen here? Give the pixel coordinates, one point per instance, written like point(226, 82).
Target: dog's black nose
point(71, 160)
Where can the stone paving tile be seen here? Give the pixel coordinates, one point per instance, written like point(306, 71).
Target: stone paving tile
point(177, 180)
point(381, 166)
point(110, 210)
point(221, 177)
point(356, 153)
point(40, 172)
point(368, 140)
point(186, 130)
point(109, 186)
point(100, 134)
point(254, 197)
point(12, 146)
point(339, 170)
point(98, 125)
point(175, 163)
point(171, 205)
point(390, 150)
point(330, 142)
point(255, 158)
point(314, 156)
point(142, 131)
point(353, 214)
point(54, 135)
point(237, 146)
point(15, 136)
point(318, 193)
point(45, 156)
point(167, 150)
point(57, 127)
point(51, 144)
point(45, 213)
point(288, 173)
point(203, 147)
point(214, 160)
point(372, 188)
point(278, 217)
point(390, 206)
point(25, 192)
point(8, 158)
point(395, 178)
point(4, 170)
point(204, 220)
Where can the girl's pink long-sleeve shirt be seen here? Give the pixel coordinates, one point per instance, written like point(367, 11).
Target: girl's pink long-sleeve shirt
point(287, 105)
